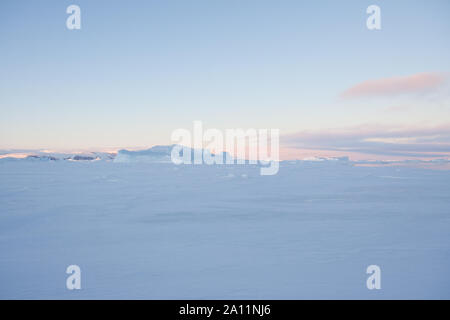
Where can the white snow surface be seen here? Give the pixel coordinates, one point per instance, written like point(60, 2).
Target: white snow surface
point(160, 231)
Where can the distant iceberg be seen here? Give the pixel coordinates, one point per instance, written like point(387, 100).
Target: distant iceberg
point(156, 154)
point(160, 154)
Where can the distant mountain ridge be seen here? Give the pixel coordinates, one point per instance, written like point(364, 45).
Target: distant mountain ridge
point(162, 154)
point(50, 156)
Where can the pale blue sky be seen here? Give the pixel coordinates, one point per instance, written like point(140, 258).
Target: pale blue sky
point(137, 70)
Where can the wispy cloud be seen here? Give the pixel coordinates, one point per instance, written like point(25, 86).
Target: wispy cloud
point(416, 83)
point(410, 142)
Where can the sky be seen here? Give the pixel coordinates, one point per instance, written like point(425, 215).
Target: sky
point(138, 70)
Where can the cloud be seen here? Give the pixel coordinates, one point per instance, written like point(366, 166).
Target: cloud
point(416, 83)
point(409, 142)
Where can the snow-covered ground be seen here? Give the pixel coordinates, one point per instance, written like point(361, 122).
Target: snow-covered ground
point(141, 230)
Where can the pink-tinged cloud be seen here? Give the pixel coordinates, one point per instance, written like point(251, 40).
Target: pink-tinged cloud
point(416, 83)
